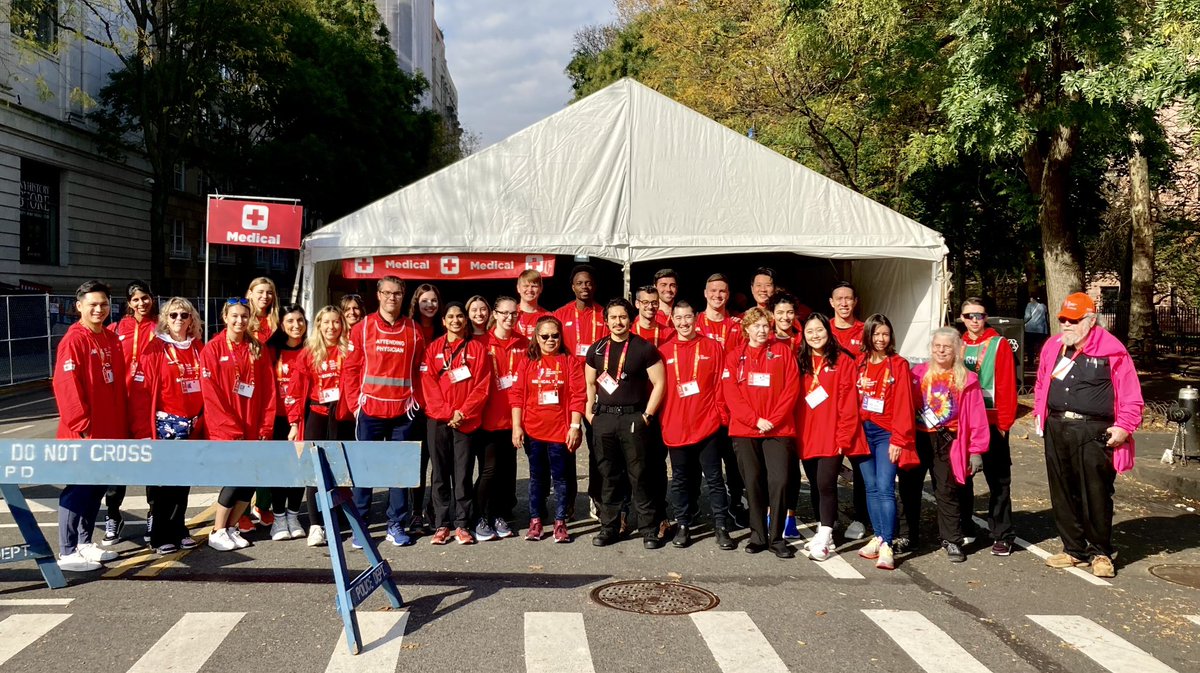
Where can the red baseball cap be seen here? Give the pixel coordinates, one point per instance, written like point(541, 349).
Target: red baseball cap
point(1076, 306)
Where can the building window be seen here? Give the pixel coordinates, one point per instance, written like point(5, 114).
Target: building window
point(39, 213)
point(278, 259)
point(180, 177)
point(179, 246)
point(260, 258)
point(35, 20)
point(225, 254)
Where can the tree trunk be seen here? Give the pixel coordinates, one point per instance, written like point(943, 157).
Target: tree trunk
point(1141, 300)
point(1064, 273)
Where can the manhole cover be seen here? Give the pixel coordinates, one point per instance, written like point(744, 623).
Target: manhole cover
point(1180, 573)
point(654, 598)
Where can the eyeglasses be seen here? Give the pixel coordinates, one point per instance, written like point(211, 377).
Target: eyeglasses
point(1069, 321)
point(236, 301)
point(549, 337)
point(393, 295)
point(974, 316)
point(181, 315)
point(504, 314)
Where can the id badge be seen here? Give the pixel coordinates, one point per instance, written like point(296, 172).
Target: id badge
point(139, 377)
point(931, 419)
point(245, 389)
point(330, 395)
point(191, 387)
point(547, 397)
point(816, 397)
point(873, 404)
point(608, 383)
point(1063, 367)
point(760, 380)
point(506, 382)
point(460, 373)
point(689, 388)
point(108, 376)
point(582, 349)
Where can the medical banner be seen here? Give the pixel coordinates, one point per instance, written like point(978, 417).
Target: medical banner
point(262, 224)
point(456, 266)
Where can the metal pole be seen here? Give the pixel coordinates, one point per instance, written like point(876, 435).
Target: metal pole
point(49, 341)
point(8, 336)
point(207, 321)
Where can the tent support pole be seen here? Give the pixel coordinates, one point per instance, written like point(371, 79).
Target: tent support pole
point(626, 269)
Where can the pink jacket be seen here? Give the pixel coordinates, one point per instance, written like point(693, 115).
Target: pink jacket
point(1127, 392)
point(973, 434)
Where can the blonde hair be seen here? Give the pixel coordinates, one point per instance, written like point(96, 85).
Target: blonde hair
point(316, 342)
point(956, 344)
point(273, 314)
point(251, 340)
point(752, 316)
point(196, 331)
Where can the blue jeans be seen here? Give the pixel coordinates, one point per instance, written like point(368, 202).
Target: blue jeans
point(389, 430)
point(77, 510)
point(552, 457)
point(879, 473)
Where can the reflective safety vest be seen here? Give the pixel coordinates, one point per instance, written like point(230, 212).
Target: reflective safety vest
point(390, 353)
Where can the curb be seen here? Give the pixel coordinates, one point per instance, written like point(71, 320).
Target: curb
point(1181, 481)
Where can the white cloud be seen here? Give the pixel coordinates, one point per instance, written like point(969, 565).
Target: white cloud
point(507, 58)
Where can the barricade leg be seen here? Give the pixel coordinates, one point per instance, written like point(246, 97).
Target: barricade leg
point(35, 546)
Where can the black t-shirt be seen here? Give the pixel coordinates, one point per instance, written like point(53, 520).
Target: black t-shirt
point(1086, 389)
point(633, 387)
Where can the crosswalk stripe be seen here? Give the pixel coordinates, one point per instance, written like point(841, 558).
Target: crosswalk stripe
point(383, 638)
point(19, 631)
point(736, 643)
point(555, 642)
point(189, 643)
point(26, 602)
point(1195, 619)
point(836, 566)
point(932, 648)
point(1104, 647)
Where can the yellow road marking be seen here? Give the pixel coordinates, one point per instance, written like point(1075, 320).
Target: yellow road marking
point(122, 566)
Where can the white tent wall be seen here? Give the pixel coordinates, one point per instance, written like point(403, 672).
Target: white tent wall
point(909, 292)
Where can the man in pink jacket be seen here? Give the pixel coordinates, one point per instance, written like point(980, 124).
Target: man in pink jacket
point(1087, 403)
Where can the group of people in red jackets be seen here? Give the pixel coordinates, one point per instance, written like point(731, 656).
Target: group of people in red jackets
point(738, 404)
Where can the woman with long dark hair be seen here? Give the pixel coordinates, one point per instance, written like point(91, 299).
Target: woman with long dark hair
point(286, 348)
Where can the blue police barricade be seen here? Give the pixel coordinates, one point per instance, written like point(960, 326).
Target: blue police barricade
point(332, 467)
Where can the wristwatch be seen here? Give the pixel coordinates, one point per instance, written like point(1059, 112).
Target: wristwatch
point(648, 416)
point(576, 426)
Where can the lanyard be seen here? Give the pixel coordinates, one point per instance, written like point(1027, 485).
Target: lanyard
point(542, 378)
point(656, 327)
point(620, 362)
point(723, 334)
point(695, 363)
point(496, 361)
point(137, 332)
point(882, 380)
point(818, 367)
point(579, 320)
point(237, 362)
point(448, 364)
point(177, 361)
point(1062, 353)
point(103, 354)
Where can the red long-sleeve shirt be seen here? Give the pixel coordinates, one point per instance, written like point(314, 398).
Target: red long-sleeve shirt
point(89, 385)
point(749, 396)
point(581, 327)
point(168, 381)
point(381, 373)
point(443, 394)
point(1003, 410)
point(527, 322)
point(657, 335)
point(230, 415)
point(792, 342)
point(560, 374)
point(831, 428)
point(893, 378)
point(690, 415)
point(727, 332)
point(285, 366)
point(506, 356)
point(317, 385)
point(135, 338)
point(851, 338)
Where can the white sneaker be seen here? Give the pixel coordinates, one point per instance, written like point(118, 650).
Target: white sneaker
point(822, 547)
point(91, 552)
point(294, 527)
point(236, 535)
point(220, 540)
point(76, 563)
point(316, 536)
point(279, 528)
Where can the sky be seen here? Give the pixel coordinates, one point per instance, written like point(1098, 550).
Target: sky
point(507, 58)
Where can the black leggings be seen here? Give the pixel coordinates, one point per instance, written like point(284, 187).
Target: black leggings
point(317, 426)
point(232, 495)
point(496, 483)
point(822, 476)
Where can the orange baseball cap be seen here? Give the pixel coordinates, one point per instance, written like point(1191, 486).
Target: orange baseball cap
point(1076, 306)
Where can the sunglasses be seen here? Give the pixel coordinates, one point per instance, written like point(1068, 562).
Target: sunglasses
point(549, 337)
point(974, 316)
point(181, 315)
point(235, 301)
point(352, 296)
point(1070, 321)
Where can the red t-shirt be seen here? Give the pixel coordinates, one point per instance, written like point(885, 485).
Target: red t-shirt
point(548, 390)
point(691, 413)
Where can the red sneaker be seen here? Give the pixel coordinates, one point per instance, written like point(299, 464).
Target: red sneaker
point(560, 531)
point(462, 536)
point(535, 530)
point(265, 517)
point(245, 525)
point(442, 536)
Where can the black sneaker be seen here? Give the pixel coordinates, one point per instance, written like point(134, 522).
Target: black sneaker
point(954, 552)
point(605, 537)
point(783, 550)
point(149, 527)
point(652, 542)
point(683, 537)
point(754, 547)
point(723, 540)
point(112, 531)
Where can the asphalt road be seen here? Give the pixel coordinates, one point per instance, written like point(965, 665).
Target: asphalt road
point(519, 606)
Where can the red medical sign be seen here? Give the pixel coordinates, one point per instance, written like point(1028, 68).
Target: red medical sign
point(262, 224)
point(451, 266)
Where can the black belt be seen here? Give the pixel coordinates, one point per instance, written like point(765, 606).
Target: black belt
point(617, 410)
point(1072, 416)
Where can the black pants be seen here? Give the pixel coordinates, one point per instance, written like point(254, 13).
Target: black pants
point(822, 476)
point(763, 462)
point(946, 490)
point(316, 427)
point(793, 493)
point(911, 482)
point(170, 514)
point(622, 457)
point(496, 483)
point(453, 459)
point(734, 485)
point(232, 495)
point(114, 496)
point(860, 495)
point(1081, 478)
point(688, 463)
point(418, 504)
point(997, 470)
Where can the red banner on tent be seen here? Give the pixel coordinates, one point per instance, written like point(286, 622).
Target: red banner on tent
point(262, 224)
point(450, 266)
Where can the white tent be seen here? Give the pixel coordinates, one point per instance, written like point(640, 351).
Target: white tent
point(630, 175)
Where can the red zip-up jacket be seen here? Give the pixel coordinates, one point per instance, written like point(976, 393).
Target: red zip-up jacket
point(727, 332)
point(285, 367)
point(691, 419)
point(774, 401)
point(832, 427)
point(168, 381)
point(851, 338)
point(1004, 412)
point(527, 322)
point(584, 327)
point(899, 414)
point(656, 335)
point(310, 384)
point(135, 338)
point(506, 356)
point(793, 342)
point(228, 415)
point(381, 373)
point(442, 396)
point(89, 385)
point(561, 373)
